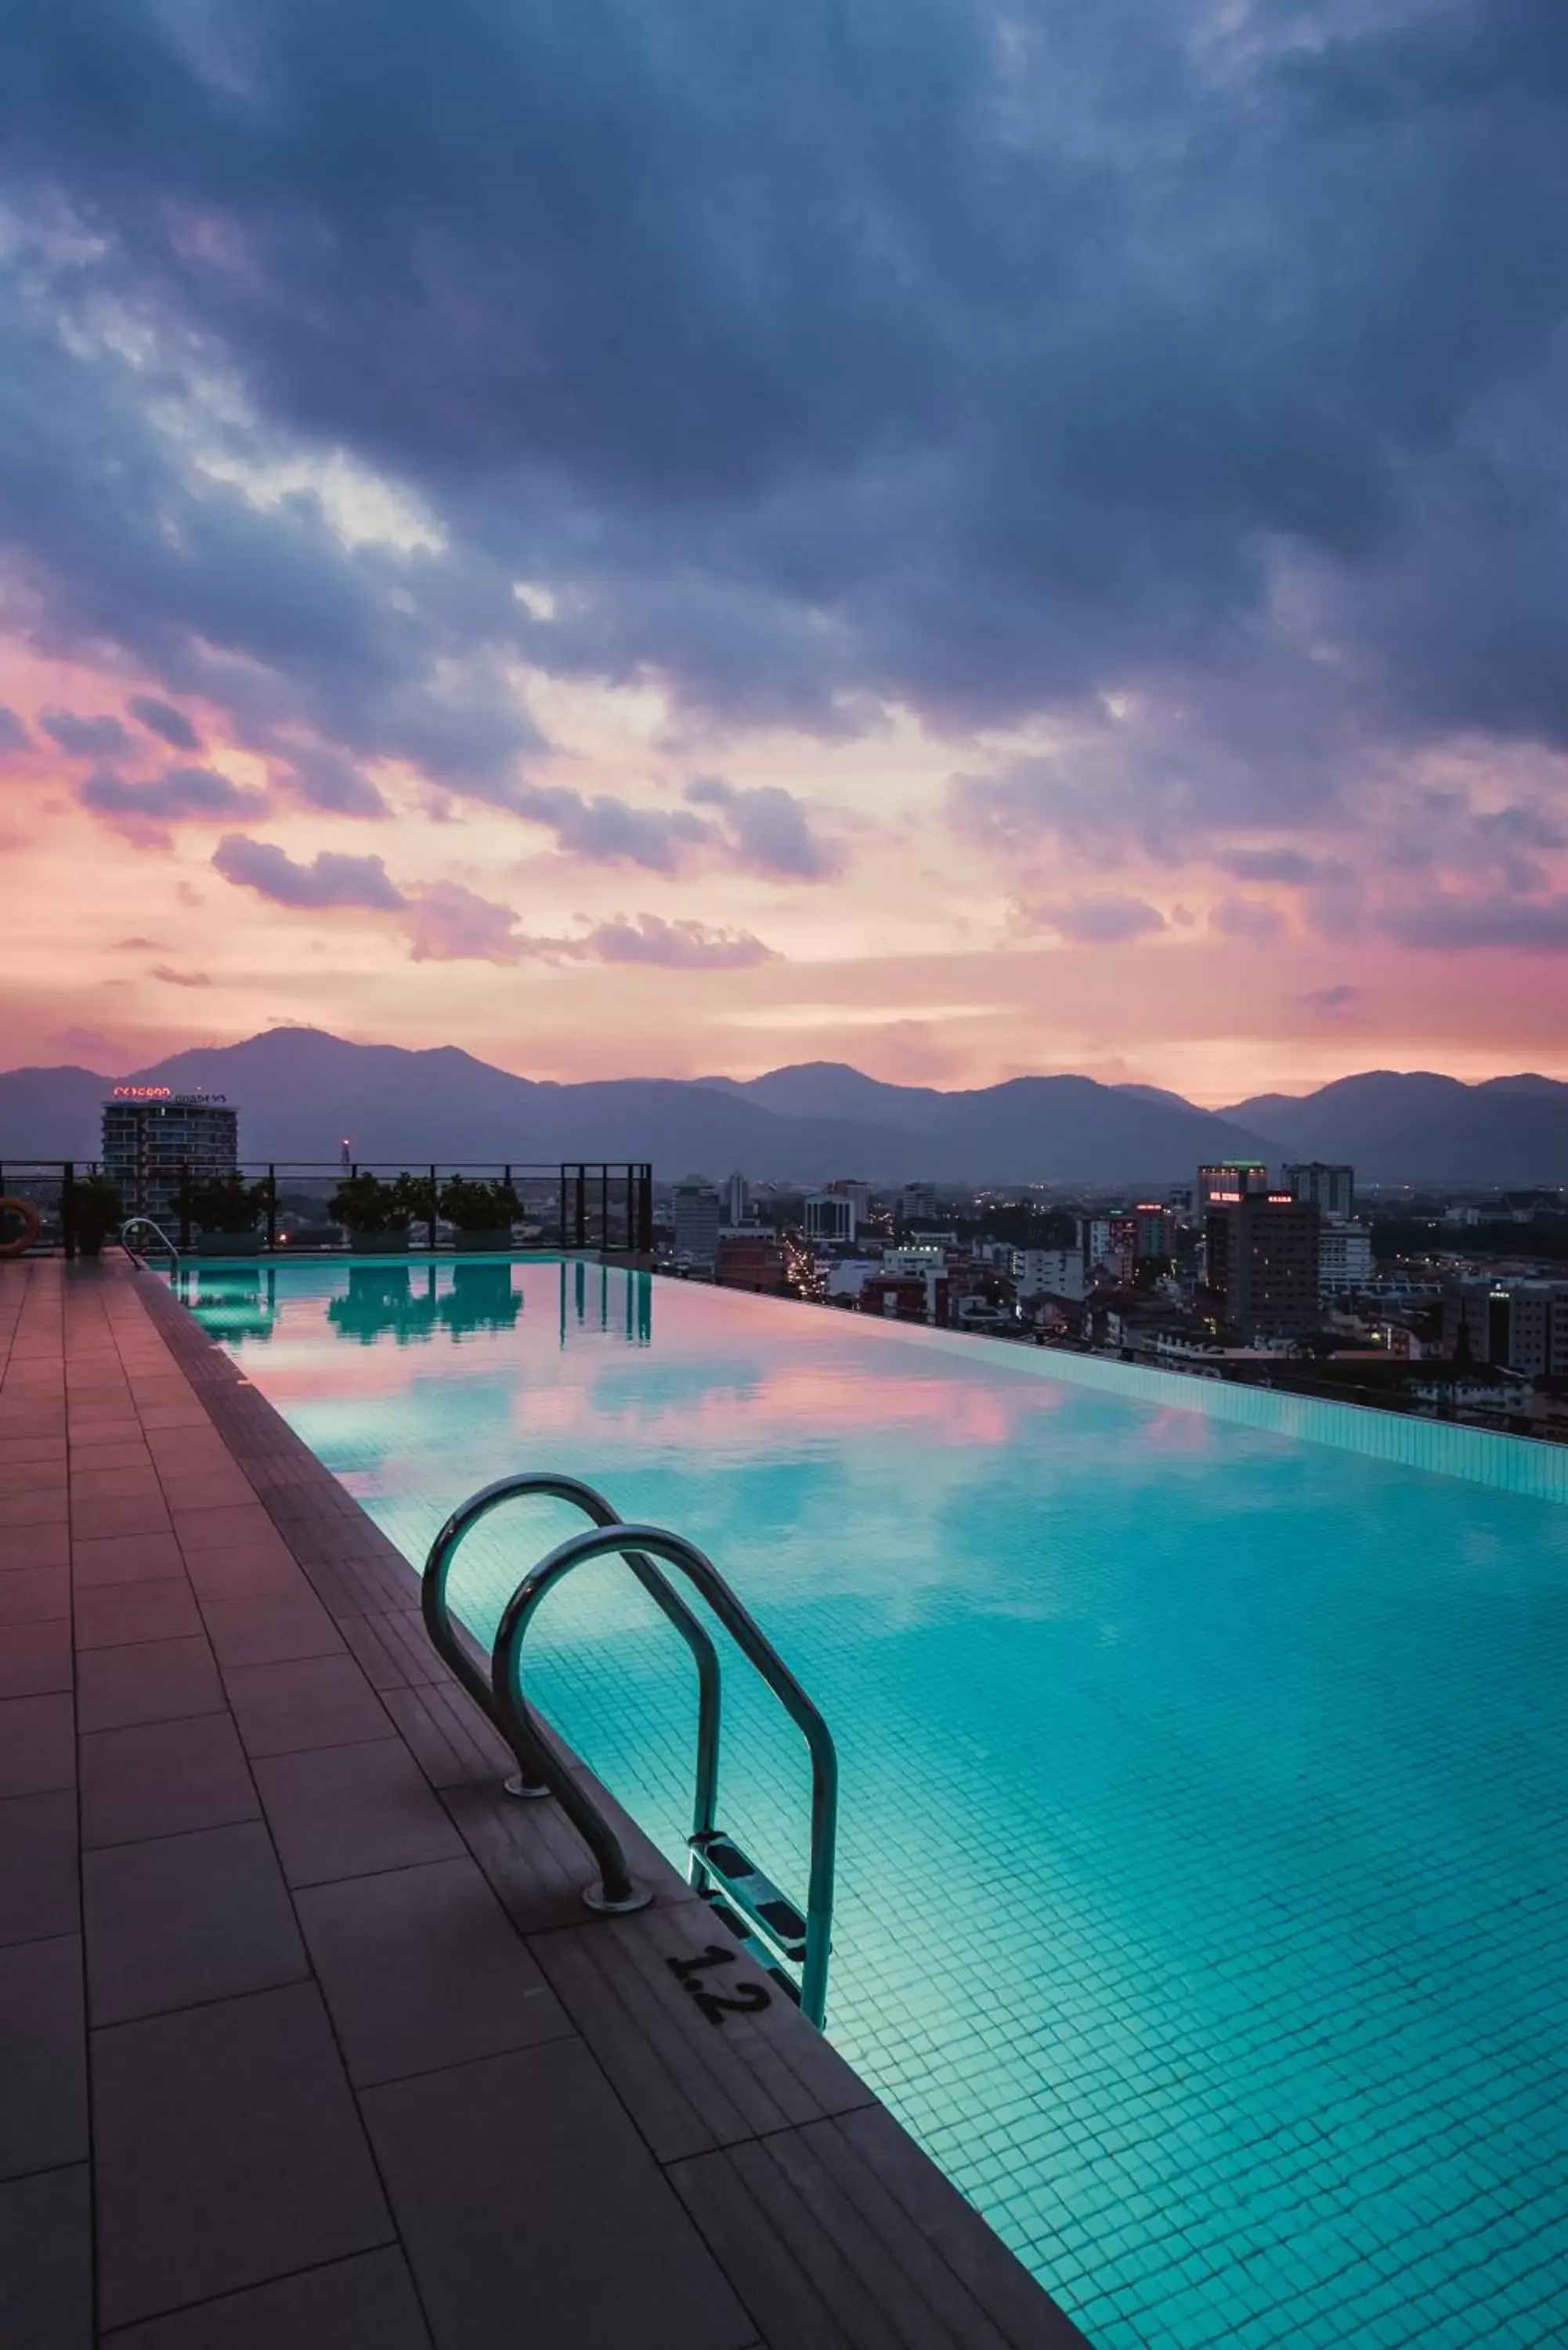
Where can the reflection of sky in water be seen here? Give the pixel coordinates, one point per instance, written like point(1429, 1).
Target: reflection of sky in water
point(1202, 1790)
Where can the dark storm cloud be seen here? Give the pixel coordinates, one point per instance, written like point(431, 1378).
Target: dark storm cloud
point(982, 358)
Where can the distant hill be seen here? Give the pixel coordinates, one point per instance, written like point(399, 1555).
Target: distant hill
point(1419, 1127)
point(300, 1091)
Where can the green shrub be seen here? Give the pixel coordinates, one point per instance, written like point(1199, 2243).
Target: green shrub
point(365, 1204)
point(477, 1206)
point(225, 1203)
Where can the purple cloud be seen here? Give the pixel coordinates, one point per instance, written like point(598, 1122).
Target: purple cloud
point(172, 978)
point(161, 718)
point(86, 738)
point(1456, 922)
point(769, 830)
point(14, 735)
point(675, 946)
point(1334, 1003)
point(325, 779)
point(447, 924)
point(605, 831)
point(1099, 921)
point(328, 880)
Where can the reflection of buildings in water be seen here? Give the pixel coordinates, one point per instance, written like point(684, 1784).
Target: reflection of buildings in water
point(236, 1303)
point(604, 1298)
point(382, 1300)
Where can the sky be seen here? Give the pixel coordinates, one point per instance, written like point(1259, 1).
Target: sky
point(964, 538)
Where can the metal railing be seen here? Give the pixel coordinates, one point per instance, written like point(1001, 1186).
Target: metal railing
point(603, 1205)
point(717, 1868)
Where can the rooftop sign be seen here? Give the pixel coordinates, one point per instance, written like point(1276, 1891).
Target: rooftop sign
point(160, 1094)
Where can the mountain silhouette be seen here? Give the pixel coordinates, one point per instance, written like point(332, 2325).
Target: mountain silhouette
point(301, 1092)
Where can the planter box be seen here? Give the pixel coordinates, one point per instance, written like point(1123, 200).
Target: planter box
point(392, 1242)
point(228, 1244)
point(489, 1242)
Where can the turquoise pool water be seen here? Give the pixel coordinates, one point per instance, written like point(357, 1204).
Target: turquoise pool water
point(1202, 1888)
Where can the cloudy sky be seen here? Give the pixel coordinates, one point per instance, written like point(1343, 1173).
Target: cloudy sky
point(962, 536)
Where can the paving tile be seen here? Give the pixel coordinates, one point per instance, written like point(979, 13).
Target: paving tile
point(352, 1811)
point(19, 1451)
point(196, 1490)
point(365, 2303)
point(311, 1701)
point(269, 1631)
point(222, 1528)
point(144, 1513)
point(46, 2259)
point(256, 1569)
point(24, 1549)
point(43, 2056)
point(36, 1658)
point(146, 1680)
point(184, 1919)
point(91, 1484)
point(163, 1778)
point(37, 1745)
point(39, 1867)
point(109, 1615)
point(18, 1478)
point(519, 2183)
point(125, 1558)
point(119, 1452)
point(229, 2152)
point(34, 1509)
point(422, 1968)
point(35, 1595)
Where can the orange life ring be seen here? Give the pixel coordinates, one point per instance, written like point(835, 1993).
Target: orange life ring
point(33, 1224)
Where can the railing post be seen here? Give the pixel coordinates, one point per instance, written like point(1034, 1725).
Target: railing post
point(582, 1204)
point(272, 1206)
point(184, 1204)
point(563, 1239)
point(630, 1215)
point(604, 1206)
point(68, 1206)
point(645, 1211)
point(432, 1214)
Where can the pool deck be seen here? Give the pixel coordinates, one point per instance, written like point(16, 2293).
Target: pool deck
point(304, 2034)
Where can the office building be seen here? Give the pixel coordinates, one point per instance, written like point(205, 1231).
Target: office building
point(697, 1222)
point(859, 1194)
point(1344, 1254)
point(1047, 1272)
point(1331, 1189)
point(737, 1200)
point(1227, 1179)
point(918, 1203)
point(151, 1136)
point(1263, 1250)
point(830, 1217)
point(1520, 1326)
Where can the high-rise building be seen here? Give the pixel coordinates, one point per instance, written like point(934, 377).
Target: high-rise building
point(152, 1136)
point(829, 1217)
point(857, 1193)
point(1227, 1179)
point(1329, 1188)
point(918, 1203)
point(737, 1200)
point(697, 1222)
point(1520, 1325)
point(1263, 1251)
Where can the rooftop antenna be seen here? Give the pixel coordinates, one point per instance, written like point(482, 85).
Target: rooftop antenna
point(343, 1146)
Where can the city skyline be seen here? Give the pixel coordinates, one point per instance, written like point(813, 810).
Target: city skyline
point(1047, 560)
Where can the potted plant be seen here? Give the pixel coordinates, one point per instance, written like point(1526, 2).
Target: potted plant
point(97, 1211)
point(482, 1212)
point(372, 1213)
point(225, 1209)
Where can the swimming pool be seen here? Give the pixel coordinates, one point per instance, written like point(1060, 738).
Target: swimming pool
point(1201, 1897)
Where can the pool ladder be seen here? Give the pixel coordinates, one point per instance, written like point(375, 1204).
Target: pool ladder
point(139, 1256)
point(792, 1948)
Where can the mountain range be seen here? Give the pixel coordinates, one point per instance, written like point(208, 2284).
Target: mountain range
point(300, 1092)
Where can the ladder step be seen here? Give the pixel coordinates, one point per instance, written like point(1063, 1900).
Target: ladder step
point(754, 1948)
point(756, 1895)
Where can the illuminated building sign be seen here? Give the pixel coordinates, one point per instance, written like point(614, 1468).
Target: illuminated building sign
point(161, 1094)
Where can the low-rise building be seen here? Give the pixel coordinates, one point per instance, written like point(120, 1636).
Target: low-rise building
point(1038, 1272)
point(1516, 1325)
point(1344, 1255)
point(752, 1260)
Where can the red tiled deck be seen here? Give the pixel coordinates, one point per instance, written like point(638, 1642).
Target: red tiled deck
point(305, 2036)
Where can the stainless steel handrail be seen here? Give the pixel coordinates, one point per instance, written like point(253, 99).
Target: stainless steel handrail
point(130, 1224)
point(615, 1890)
point(539, 1772)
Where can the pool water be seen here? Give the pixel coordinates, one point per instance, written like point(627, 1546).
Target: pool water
point(1202, 1887)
